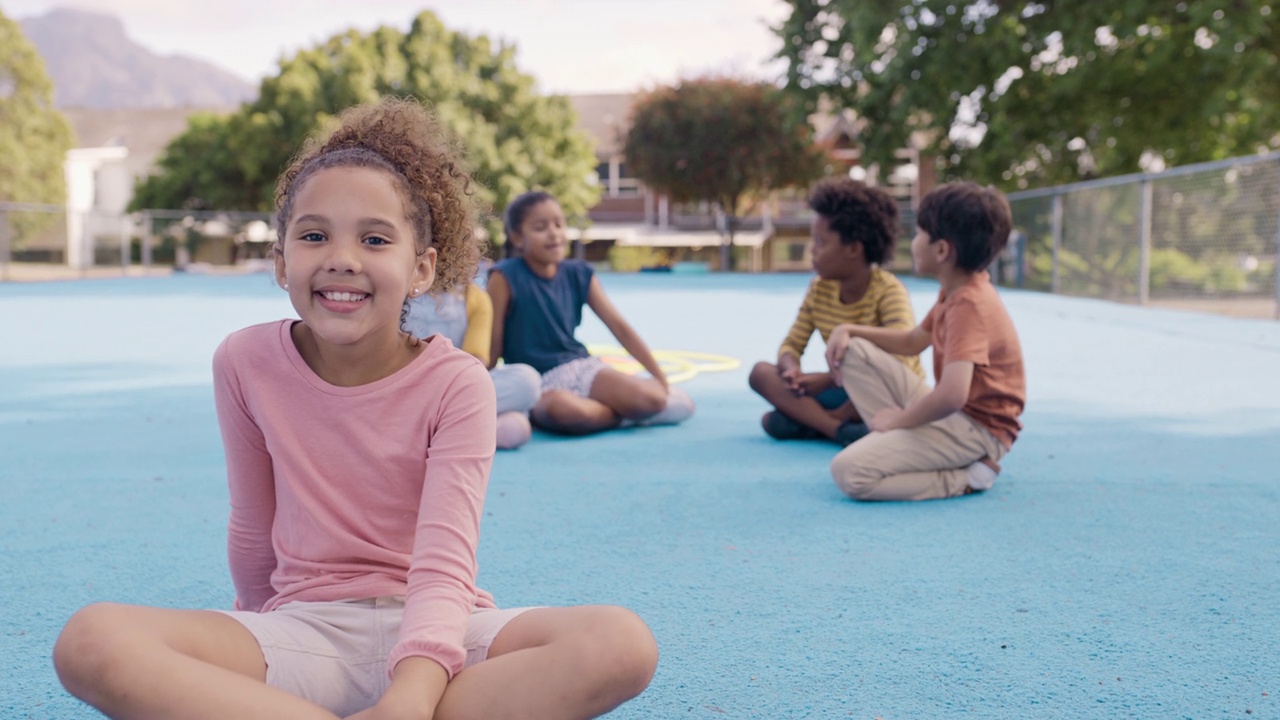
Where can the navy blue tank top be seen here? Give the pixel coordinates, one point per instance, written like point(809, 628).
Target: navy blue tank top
point(543, 314)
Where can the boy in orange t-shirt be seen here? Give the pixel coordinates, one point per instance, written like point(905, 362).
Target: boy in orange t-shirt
point(945, 441)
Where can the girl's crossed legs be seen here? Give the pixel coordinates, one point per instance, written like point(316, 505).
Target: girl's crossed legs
point(139, 662)
point(583, 396)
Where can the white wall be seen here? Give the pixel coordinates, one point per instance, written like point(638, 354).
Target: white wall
point(98, 191)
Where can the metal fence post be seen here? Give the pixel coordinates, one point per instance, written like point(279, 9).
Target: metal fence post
point(6, 252)
point(1057, 243)
point(1277, 248)
point(125, 238)
point(146, 241)
point(1144, 243)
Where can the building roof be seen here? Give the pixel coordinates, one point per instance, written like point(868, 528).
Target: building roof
point(605, 118)
point(147, 131)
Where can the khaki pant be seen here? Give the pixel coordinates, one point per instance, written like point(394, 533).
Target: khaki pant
point(919, 463)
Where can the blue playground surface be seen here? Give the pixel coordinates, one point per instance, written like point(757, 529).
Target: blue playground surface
point(1126, 563)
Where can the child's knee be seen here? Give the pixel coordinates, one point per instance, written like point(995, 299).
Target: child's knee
point(761, 374)
point(858, 351)
point(850, 476)
point(623, 646)
point(84, 655)
point(527, 384)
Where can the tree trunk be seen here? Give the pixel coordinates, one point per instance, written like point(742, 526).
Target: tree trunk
point(729, 211)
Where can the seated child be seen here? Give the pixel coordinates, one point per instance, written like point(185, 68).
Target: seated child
point(949, 440)
point(467, 320)
point(357, 462)
point(537, 301)
point(853, 232)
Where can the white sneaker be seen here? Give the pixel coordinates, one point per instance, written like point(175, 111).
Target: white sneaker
point(981, 476)
point(679, 408)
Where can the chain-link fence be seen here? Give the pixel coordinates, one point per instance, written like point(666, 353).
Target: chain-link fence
point(39, 241)
point(1201, 236)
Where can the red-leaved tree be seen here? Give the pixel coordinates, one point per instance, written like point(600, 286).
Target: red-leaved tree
point(724, 141)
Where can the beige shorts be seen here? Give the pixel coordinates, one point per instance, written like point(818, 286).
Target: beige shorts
point(334, 654)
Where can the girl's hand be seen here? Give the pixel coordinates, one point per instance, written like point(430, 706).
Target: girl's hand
point(885, 420)
point(415, 690)
point(662, 380)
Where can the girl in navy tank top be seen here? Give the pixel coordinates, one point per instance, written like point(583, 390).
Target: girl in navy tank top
point(538, 297)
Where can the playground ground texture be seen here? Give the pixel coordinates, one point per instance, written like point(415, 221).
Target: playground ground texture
point(1124, 565)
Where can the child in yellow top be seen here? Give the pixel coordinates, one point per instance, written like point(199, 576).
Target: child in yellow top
point(853, 231)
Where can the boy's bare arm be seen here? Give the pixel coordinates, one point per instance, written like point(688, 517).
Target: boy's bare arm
point(892, 340)
point(949, 396)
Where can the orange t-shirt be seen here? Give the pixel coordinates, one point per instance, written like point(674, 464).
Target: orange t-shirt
point(971, 324)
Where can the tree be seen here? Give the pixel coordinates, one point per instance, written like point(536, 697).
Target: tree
point(34, 137)
point(1044, 91)
point(515, 139)
point(720, 140)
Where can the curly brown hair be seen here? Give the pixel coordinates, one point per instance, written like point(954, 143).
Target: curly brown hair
point(404, 139)
point(858, 213)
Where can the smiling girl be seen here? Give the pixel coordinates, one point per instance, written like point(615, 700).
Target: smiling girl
point(357, 461)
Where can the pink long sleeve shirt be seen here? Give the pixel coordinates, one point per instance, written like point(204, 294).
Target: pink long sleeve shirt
point(342, 493)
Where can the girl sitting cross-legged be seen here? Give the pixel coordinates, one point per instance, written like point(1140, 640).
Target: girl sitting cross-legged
point(538, 297)
point(357, 461)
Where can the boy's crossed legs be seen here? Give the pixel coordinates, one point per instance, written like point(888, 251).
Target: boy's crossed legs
point(921, 463)
point(823, 413)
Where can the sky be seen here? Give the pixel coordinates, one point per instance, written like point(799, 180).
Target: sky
point(570, 46)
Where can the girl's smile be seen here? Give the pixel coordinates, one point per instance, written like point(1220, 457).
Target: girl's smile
point(341, 299)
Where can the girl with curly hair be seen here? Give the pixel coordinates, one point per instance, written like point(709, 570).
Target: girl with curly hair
point(357, 461)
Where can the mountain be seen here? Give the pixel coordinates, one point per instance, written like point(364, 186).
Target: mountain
point(94, 64)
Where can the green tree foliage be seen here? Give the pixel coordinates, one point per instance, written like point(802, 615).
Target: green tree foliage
point(34, 137)
point(516, 139)
point(722, 141)
point(1039, 92)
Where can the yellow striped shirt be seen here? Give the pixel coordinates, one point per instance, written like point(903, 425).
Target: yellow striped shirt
point(884, 304)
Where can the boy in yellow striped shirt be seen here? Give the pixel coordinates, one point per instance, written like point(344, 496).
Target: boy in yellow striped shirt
point(853, 231)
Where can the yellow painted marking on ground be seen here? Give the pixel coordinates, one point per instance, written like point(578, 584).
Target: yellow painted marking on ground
point(679, 365)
